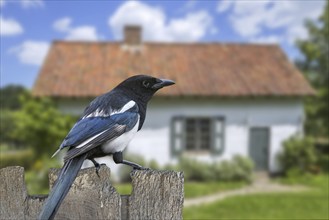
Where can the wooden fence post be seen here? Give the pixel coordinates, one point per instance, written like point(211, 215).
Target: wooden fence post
point(156, 195)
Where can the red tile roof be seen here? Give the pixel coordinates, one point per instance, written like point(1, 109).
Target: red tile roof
point(81, 69)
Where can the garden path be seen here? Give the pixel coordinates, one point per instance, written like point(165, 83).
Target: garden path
point(261, 184)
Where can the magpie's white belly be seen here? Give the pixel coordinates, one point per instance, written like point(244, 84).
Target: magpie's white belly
point(121, 142)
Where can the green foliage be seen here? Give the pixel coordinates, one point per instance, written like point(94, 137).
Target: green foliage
point(298, 156)
point(7, 128)
point(37, 177)
point(153, 165)
point(315, 65)
point(22, 158)
point(39, 125)
point(324, 162)
point(238, 169)
point(195, 170)
point(124, 173)
point(123, 188)
point(9, 97)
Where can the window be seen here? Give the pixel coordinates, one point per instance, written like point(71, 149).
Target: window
point(197, 134)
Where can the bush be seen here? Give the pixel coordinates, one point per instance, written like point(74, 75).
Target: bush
point(324, 162)
point(245, 167)
point(23, 158)
point(7, 128)
point(195, 170)
point(238, 169)
point(39, 125)
point(37, 177)
point(299, 156)
point(124, 172)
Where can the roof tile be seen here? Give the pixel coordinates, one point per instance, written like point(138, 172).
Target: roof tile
point(87, 69)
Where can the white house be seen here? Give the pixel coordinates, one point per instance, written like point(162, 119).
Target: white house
point(228, 99)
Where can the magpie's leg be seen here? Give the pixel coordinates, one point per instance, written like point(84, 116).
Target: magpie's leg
point(96, 165)
point(118, 158)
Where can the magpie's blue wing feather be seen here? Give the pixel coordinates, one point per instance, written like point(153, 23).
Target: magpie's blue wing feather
point(91, 132)
point(85, 129)
point(89, 127)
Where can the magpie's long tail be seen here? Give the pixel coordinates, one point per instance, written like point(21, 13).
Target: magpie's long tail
point(61, 188)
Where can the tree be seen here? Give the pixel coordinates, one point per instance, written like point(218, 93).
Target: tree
point(315, 66)
point(9, 102)
point(39, 125)
point(9, 96)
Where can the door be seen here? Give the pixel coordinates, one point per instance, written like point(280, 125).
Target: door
point(259, 147)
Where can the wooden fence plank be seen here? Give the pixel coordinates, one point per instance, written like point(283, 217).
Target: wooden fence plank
point(156, 195)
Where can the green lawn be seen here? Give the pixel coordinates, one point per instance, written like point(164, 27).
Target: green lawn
point(191, 189)
point(311, 204)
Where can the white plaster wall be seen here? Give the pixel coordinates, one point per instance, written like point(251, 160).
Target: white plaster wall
point(282, 116)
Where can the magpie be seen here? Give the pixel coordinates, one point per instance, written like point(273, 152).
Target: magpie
point(106, 127)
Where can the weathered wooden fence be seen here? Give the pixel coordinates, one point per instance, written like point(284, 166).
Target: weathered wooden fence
point(155, 195)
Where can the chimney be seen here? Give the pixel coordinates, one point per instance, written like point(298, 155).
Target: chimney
point(132, 35)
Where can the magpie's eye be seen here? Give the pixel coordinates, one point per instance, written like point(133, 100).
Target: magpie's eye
point(146, 84)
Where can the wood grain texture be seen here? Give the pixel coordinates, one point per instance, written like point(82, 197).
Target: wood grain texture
point(13, 193)
point(90, 196)
point(156, 195)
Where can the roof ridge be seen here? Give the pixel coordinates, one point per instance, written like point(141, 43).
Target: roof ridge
point(170, 43)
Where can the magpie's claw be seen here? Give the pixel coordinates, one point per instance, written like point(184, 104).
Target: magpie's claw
point(97, 166)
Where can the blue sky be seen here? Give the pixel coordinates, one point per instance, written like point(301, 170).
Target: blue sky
point(28, 27)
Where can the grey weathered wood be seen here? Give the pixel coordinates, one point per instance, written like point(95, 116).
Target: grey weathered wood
point(156, 195)
point(90, 196)
point(13, 193)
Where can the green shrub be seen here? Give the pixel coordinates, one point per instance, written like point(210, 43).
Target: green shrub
point(324, 162)
point(7, 128)
point(124, 172)
point(299, 156)
point(244, 166)
point(195, 170)
point(39, 125)
point(37, 177)
point(153, 165)
point(238, 169)
point(23, 158)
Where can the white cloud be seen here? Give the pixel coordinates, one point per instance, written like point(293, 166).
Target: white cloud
point(190, 28)
point(255, 19)
point(2, 3)
point(85, 33)
point(32, 3)
point(9, 27)
point(224, 5)
point(153, 20)
point(270, 39)
point(24, 3)
point(62, 24)
point(31, 52)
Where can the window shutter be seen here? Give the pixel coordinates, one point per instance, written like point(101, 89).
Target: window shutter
point(217, 135)
point(177, 136)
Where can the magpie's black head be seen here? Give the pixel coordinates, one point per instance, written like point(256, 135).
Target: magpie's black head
point(143, 86)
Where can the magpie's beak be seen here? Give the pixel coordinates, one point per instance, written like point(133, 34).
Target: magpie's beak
point(162, 83)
